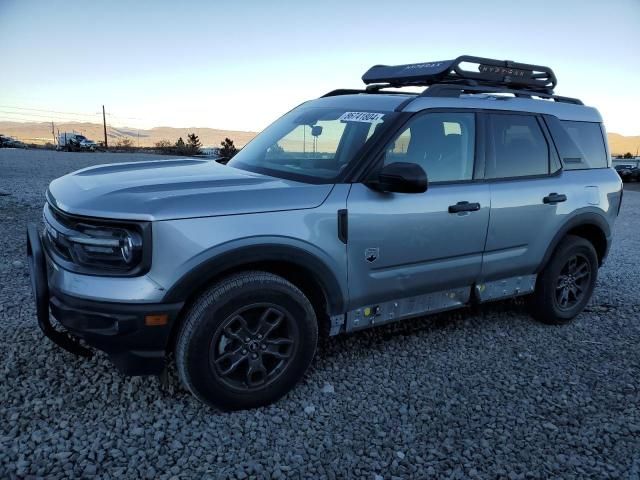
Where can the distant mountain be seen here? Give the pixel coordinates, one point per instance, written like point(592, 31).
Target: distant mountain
point(619, 144)
point(37, 132)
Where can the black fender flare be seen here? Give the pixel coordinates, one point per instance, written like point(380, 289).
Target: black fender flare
point(206, 271)
point(590, 218)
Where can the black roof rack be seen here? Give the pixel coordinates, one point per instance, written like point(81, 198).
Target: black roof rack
point(464, 75)
point(487, 71)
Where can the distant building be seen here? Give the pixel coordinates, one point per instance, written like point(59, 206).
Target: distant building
point(635, 161)
point(210, 151)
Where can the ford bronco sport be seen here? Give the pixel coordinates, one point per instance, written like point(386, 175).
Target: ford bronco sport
point(357, 209)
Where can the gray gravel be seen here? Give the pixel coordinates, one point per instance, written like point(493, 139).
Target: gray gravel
point(481, 393)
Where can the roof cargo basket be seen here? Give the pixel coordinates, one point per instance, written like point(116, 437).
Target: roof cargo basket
point(465, 70)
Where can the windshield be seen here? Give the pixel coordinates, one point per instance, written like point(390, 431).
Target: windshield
point(80, 137)
point(310, 143)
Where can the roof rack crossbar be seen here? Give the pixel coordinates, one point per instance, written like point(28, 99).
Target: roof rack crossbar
point(487, 71)
point(456, 89)
point(353, 91)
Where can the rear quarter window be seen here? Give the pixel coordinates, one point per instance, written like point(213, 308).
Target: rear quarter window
point(580, 144)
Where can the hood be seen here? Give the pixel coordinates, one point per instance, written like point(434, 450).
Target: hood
point(181, 188)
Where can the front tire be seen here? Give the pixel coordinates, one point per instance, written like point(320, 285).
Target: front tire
point(246, 341)
point(565, 285)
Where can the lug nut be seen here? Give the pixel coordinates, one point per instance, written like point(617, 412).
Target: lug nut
point(244, 352)
point(263, 346)
point(259, 336)
point(254, 356)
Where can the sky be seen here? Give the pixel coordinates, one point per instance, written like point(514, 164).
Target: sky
point(241, 64)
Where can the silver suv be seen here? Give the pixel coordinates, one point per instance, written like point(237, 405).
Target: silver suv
point(357, 209)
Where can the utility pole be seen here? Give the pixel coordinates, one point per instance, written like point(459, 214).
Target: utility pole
point(104, 125)
point(53, 133)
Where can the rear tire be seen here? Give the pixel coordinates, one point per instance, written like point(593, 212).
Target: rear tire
point(246, 341)
point(565, 285)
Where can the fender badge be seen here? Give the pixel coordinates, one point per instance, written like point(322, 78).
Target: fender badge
point(371, 254)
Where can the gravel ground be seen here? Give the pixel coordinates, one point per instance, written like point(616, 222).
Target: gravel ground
point(480, 393)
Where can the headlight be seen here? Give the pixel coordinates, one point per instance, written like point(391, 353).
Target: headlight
point(115, 248)
point(95, 246)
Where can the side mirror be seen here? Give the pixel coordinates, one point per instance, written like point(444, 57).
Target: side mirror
point(401, 177)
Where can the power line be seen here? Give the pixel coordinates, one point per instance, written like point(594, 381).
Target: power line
point(38, 118)
point(126, 118)
point(30, 115)
point(26, 113)
point(41, 121)
point(97, 114)
point(47, 111)
point(26, 118)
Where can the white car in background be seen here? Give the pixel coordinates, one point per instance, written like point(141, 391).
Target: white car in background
point(75, 142)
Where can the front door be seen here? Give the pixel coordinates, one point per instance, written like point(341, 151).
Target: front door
point(402, 245)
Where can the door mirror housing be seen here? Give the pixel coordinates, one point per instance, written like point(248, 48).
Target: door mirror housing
point(401, 177)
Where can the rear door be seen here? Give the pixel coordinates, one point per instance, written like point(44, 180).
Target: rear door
point(401, 245)
point(528, 194)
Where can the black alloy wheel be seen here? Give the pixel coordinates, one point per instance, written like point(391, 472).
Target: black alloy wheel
point(253, 346)
point(565, 284)
point(246, 341)
point(573, 282)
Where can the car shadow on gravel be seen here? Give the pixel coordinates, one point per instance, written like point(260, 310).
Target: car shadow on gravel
point(489, 317)
point(101, 383)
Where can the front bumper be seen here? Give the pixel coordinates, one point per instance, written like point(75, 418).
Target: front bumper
point(119, 329)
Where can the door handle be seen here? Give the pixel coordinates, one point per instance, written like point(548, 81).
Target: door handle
point(464, 207)
point(554, 198)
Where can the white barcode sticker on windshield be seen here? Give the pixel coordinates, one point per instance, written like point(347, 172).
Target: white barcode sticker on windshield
point(367, 117)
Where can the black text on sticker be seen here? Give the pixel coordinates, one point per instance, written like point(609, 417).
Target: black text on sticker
point(367, 117)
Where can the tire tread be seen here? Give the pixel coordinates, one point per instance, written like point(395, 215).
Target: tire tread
point(542, 305)
point(212, 295)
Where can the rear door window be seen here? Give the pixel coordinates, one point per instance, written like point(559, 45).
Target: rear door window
point(518, 145)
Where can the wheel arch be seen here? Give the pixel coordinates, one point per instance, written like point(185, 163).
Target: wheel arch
point(304, 269)
point(588, 225)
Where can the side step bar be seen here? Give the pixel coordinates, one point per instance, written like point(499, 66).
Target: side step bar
point(401, 309)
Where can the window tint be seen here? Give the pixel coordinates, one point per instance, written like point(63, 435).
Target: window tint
point(311, 143)
point(443, 144)
point(519, 147)
point(319, 141)
point(589, 143)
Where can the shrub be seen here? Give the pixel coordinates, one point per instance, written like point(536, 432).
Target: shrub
point(165, 147)
point(193, 144)
point(228, 149)
point(125, 143)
